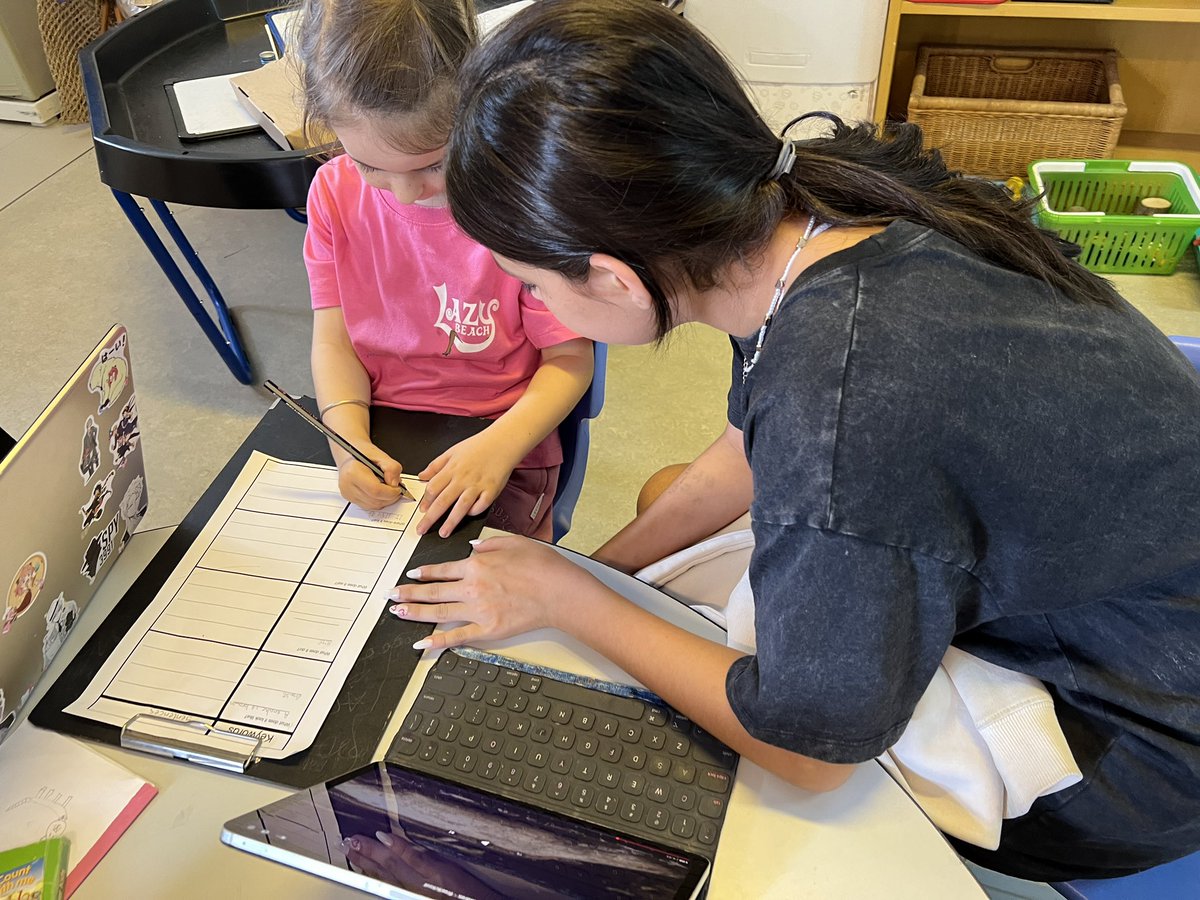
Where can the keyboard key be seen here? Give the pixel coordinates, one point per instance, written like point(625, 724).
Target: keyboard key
point(659, 765)
point(445, 756)
point(449, 732)
point(713, 807)
point(448, 661)
point(633, 784)
point(405, 745)
point(412, 722)
point(583, 795)
point(679, 746)
point(607, 803)
point(583, 770)
point(635, 759)
point(534, 782)
point(466, 665)
point(491, 743)
point(587, 745)
point(606, 726)
point(564, 739)
point(631, 810)
point(470, 736)
point(611, 752)
point(495, 696)
point(450, 685)
point(560, 713)
point(466, 761)
point(541, 732)
point(540, 708)
point(430, 728)
point(538, 757)
point(585, 719)
point(488, 767)
point(511, 775)
point(517, 702)
point(509, 678)
point(659, 791)
point(496, 720)
point(488, 672)
point(683, 826)
point(558, 788)
point(655, 739)
point(514, 751)
point(713, 780)
point(531, 684)
point(454, 708)
point(477, 692)
point(519, 726)
point(428, 750)
point(560, 763)
point(683, 771)
point(684, 798)
point(476, 713)
point(707, 833)
point(681, 723)
point(609, 777)
point(631, 733)
point(656, 715)
point(658, 819)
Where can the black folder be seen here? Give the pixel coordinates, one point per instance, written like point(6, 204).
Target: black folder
point(357, 721)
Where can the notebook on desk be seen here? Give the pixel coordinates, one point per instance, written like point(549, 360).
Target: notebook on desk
point(497, 743)
point(72, 491)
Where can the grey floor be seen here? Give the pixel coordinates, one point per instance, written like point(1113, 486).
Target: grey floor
point(70, 266)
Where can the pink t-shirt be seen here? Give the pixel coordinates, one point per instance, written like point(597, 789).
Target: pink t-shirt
point(436, 323)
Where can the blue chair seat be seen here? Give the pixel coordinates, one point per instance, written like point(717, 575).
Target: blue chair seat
point(576, 439)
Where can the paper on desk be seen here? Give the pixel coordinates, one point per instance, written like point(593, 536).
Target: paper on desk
point(258, 626)
point(54, 786)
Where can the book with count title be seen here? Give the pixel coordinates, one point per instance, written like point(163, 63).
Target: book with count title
point(34, 872)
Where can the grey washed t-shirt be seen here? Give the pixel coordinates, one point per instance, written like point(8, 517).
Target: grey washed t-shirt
point(945, 451)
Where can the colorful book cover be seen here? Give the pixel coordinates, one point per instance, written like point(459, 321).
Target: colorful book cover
point(34, 872)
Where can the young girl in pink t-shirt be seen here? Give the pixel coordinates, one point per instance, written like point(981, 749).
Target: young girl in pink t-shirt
point(407, 310)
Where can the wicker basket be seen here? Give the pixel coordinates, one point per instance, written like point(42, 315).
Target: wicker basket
point(993, 111)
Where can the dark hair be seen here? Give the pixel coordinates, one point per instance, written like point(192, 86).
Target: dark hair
point(614, 126)
point(392, 62)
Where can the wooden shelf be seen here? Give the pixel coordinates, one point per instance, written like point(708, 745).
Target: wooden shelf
point(1184, 148)
point(1118, 11)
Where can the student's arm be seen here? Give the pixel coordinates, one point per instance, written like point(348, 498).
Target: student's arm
point(710, 493)
point(339, 375)
point(468, 477)
point(512, 585)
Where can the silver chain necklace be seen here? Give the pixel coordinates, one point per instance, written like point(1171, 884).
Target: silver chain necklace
point(810, 232)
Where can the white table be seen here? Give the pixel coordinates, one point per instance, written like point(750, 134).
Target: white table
point(867, 839)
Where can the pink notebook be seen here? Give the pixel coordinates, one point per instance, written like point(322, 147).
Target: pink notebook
point(55, 786)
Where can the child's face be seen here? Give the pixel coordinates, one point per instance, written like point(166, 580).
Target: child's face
point(411, 178)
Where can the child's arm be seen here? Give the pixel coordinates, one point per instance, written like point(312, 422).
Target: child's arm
point(470, 475)
point(339, 375)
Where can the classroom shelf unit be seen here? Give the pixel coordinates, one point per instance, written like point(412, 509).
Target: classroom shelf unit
point(1158, 42)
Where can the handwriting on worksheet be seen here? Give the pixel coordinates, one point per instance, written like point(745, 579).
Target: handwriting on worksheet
point(258, 626)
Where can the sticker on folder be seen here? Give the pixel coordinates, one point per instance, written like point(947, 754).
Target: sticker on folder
point(257, 628)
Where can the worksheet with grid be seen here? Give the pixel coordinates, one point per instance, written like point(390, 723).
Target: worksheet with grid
point(258, 626)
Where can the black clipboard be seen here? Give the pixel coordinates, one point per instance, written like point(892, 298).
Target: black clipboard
point(358, 719)
point(188, 131)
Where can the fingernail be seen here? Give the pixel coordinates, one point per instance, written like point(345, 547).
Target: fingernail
point(399, 610)
point(423, 644)
point(475, 542)
point(354, 844)
point(384, 838)
point(394, 594)
point(413, 573)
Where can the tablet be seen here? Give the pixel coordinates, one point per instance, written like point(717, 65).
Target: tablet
point(392, 832)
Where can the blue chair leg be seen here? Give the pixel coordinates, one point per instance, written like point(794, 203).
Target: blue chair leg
point(298, 215)
point(223, 333)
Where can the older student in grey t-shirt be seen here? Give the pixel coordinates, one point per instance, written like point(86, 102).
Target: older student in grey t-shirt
point(945, 430)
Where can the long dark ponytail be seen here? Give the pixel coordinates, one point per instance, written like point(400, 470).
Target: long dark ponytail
point(614, 126)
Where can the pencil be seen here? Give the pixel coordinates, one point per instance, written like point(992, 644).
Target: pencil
point(332, 435)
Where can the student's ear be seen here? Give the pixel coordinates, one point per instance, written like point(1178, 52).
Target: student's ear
point(615, 281)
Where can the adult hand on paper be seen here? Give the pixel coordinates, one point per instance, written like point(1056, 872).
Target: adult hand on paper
point(359, 485)
point(464, 480)
point(395, 859)
point(508, 586)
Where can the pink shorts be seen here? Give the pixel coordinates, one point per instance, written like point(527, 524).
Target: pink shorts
point(523, 507)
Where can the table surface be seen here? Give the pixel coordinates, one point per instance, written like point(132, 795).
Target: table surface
point(866, 839)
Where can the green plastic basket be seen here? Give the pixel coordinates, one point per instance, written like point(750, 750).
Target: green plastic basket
point(1112, 238)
